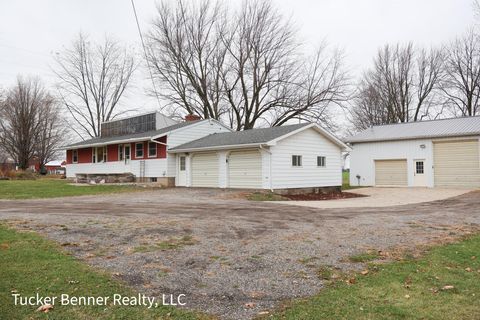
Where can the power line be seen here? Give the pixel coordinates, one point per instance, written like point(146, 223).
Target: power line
point(145, 52)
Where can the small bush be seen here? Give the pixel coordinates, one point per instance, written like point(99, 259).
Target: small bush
point(24, 175)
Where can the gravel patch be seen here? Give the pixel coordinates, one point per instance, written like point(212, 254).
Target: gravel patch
point(231, 257)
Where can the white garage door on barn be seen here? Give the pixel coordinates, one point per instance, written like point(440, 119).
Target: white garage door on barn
point(205, 170)
point(245, 169)
point(457, 163)
point(391, 172)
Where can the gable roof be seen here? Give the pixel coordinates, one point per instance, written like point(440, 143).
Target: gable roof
point(251, 137)
point(131, 137)
point(454, 127)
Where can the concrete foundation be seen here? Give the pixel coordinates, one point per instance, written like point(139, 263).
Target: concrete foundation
point(295, 191)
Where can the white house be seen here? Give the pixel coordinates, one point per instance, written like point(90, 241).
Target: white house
point(287, 157)
point(205, 153)
point(437, 153)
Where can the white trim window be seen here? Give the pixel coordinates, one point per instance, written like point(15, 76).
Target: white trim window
point(296, 160)
point(321, 161)
point(152, 149)
point(75, 156)
point(139, 150)
point(99, 154)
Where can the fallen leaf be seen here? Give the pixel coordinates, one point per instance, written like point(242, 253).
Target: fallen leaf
point(14, 291)
point(468, 269)
point(473, 257)
point(263, 312)
point(351, 281)
point(4, 246)
point(448, 287)
point(249, 304)
point(45, 308)
point(364, 272)
point(407, 296)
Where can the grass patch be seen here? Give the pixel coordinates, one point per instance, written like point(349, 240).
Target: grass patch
point(31, 264)
point(266, 196)
point(170, 244)
point(443, 284)
point(364, 257)
point(51, 188)
point(325, 272)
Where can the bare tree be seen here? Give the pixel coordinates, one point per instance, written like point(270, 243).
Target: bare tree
point(187, 55)
point(92, 79)
point(51, 133)
point(22, 120)
point(244, 67)
point(401, 87)
point(462, 82)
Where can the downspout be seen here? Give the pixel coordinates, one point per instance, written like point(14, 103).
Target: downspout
point(269, 166)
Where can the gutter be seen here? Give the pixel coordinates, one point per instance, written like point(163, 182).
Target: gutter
point(212, 148)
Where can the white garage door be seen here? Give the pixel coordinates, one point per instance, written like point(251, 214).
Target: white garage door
point(245, 169)
point(205, 170)
point(391, 172)
point(456, 164)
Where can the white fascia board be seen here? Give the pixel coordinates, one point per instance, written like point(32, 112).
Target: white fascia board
point(214, 148)
point(99, 144)
point(319, 129)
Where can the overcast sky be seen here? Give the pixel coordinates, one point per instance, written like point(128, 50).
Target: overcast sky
point(31, 32)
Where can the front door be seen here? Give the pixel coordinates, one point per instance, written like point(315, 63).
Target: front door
point(182, 171)
point(419, 178)
point(127, 152)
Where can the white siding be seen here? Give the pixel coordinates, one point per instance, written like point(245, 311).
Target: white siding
point(309, 144)
point(153, 168)
point(363, 156)
point(188, 134)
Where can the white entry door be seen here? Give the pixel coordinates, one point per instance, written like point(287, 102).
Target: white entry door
point(182, 171)
point(419, 177)
point(127, 152)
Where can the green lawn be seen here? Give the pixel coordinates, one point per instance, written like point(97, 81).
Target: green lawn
point(50, 188)
point(31, 264)
point(408, 289)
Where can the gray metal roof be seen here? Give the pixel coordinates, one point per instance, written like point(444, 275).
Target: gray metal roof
point(137, 136)
point(246, 137)
point(454, 127)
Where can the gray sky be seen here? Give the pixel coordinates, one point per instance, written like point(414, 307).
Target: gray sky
point(32, 31)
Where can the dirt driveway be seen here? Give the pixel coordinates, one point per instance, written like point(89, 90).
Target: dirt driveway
point(224, 252)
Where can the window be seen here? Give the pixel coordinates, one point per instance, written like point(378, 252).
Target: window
point(321, 161)
point(152, 149)
point(105, 153)
point(296, 161)
point(419, 168)
point(127, 152)
point(75, 156)
point(120, 152)
point(99, 154)
point(182, 163)
point(139, 150)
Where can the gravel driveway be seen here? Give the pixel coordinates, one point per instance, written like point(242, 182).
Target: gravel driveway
point(231, 257)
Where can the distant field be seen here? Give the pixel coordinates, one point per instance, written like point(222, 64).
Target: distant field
point(51, 188)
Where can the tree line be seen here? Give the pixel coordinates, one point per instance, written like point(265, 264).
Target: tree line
point(244, 66)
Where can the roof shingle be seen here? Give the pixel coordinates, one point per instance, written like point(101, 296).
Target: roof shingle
point(139, 136)
point(252, 136)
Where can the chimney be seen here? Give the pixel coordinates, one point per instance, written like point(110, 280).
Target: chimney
point(192, 117)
